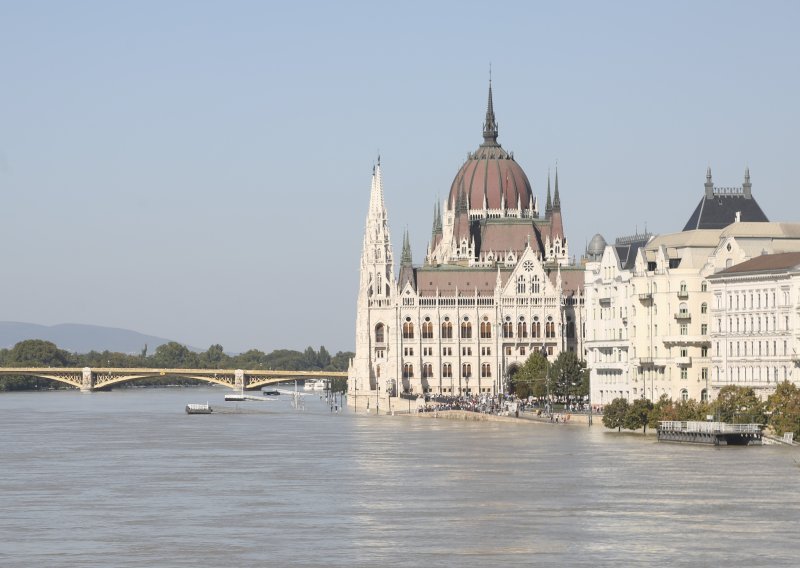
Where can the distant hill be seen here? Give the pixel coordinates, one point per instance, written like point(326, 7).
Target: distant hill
point(80, 338)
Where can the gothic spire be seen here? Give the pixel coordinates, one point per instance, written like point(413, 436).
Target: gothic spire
point(549, 204)
point(405, 256)
point(490, 125)
point(556, 198)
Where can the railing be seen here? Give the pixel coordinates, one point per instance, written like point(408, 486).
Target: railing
point(646, 296)
point(683, 316)
point(683, 294)
point(709, 427)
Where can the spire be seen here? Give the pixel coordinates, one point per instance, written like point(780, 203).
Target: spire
point(490, 125)
point(556, 198)
point(405, 256)
point(549, 204)
point(747, 187)
point(435, 219)
point(709, 185)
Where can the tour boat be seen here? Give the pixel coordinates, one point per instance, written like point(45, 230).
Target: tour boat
point(198, 408)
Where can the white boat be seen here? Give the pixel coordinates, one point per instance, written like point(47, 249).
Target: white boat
point(198, 408)
point(315, 384)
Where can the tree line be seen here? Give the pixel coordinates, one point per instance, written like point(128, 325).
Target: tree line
point(734, 404)
point(40, 353)
point(565, 379)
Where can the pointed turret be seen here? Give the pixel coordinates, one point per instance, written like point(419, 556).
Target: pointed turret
point(747, 187)
point(548, 207)
point(556, 198)
point(490, 124)
point(709, 185)
point(406, 268)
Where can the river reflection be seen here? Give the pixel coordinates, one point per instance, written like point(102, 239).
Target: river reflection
point(126, 478)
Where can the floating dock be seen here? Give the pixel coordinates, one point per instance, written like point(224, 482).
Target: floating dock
point(713, 433)
point(198, 409)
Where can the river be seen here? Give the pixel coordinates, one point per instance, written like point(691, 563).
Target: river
point(126, 478)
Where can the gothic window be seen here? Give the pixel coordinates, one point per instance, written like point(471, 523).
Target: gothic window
point(571, 330)
point(408, 371)
point(466, 330)
point(447, 330)
point(536, 328)
point(447, 371)
point(486, 370)
point(486, 328)
point(379, 335)
point(522, 328)
point(508, 329)
point(408, 329)
point(427, 329)
point(535, 285)
point(520, 285)
point(427, 371)
point(466, 370)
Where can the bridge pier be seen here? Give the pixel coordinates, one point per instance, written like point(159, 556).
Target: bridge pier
point(87, 382)
point(238, 378)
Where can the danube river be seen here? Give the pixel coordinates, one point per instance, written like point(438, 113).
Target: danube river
point(126, 478)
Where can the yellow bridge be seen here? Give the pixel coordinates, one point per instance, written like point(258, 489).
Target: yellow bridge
point(88, 379)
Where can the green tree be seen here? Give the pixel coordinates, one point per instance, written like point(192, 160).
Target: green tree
point(215, 357)
point(567, 374)
point(37, 353)
point(737, 404)
point(664, 409)
point(638, 415)
point(784, 407)
point(531, 379)
point(174, 355)
point(614, 413)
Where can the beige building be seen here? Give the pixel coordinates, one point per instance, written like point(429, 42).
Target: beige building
point(649, 322)
point(755, 331)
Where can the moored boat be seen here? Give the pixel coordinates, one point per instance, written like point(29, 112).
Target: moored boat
point(198, 408)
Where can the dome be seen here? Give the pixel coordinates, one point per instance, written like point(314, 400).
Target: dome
point(490, 175)
point(596, 246)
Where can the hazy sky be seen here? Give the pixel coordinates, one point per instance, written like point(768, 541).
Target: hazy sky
point(201, 170)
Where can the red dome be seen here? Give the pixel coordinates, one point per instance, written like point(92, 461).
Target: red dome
point(489, 174)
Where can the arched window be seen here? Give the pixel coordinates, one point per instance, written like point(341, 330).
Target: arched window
point(703, 308)
point(379, 334)
point(408, 371)
point(447, 330)
point(522, 328)
point(427, 329)
point(535, 285)
point(683, 309)
point(408, 329)
point(466, 330)
point(520, 285)
point(486, 370)
point(447, 371)
point(427, 371)
point(704, 286)
point(536, 328)
point(466, 370)
point(486, 328)
point(508, 329)
point(684, 395)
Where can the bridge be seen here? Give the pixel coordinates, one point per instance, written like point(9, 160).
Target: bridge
point(88, 379)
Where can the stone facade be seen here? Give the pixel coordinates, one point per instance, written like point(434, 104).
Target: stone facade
point(496, 285)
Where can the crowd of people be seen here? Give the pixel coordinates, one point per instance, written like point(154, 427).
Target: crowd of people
point(503, 404)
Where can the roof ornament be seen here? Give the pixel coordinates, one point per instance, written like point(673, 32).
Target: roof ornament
point(549, 204)
point(556, 198)
point(490, 125)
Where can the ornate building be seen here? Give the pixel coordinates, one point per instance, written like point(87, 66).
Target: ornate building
point(650, 308)
point(496, 284)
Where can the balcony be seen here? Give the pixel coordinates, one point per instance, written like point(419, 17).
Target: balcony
point(683, 361)
point(683, 295)
point(646, 297)
point(701, 340)
point(683, 316)
point(645, 362)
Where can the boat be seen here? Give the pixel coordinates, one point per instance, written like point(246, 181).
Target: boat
point(315, 384)
point(198, 408)
point(270, 392)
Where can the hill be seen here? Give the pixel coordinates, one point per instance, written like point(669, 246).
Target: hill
point(80, 338)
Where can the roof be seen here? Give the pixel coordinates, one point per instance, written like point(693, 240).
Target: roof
point(447, 279)
point(719, 211)
point(764, 263)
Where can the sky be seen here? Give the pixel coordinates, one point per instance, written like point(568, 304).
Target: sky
point(200, 170)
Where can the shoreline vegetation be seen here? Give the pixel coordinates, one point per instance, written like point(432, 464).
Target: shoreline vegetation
point(41, 353)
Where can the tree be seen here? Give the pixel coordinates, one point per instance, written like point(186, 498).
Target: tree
point(737, 404)
point(784, 405)
point(174, 355)
point(214, 357)
point(37, 353)
point(638, 415)
point(531, 379)
point(614, 413)
point(567, 376)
